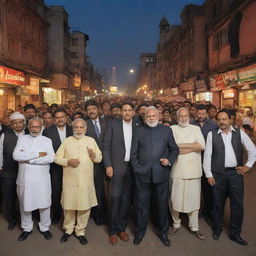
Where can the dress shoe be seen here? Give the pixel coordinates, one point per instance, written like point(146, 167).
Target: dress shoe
point(197, 234)
point(124, 236)
point(12, 224)
point(47, 234)
point(113, 239)
point(138, 238)
point(238, 239)
point(164, 239)
point(82, 239)
point(65, 238)
point(215, 236)
point(24, 235)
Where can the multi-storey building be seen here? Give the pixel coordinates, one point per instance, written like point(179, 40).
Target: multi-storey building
point(23, 29)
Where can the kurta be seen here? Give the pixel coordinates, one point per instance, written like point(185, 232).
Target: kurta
point(78, 191)
point(33, 180)
point(187, 171)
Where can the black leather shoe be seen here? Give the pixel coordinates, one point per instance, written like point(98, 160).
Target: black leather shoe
point(82, 239)
point(12, 224)
point(138, 238)
point(164, 239)
point(24, 235)
point(47, 235)
point(215, 236)
point(238, 239)
point(64, 238)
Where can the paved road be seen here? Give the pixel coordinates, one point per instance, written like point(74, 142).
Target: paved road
point(183, 243)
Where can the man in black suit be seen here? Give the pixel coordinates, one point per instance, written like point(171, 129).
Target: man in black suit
point(153, 153)
point(9, 167)
point(57, 133)
point(96, 128)
point(116, 156)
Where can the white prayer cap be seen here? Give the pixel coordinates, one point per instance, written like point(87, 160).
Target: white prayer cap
point(16, 115)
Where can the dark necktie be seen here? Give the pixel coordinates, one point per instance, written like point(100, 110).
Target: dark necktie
point(96, 128)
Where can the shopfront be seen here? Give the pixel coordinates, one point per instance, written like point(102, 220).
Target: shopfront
point(52, 96)
point(10, 80)
point(187, 90)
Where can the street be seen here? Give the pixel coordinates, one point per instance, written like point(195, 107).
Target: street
point(183, 243)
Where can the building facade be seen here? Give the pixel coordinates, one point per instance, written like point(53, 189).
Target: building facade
point(23, 46)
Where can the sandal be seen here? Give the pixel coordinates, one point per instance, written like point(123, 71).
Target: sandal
point(197, 234)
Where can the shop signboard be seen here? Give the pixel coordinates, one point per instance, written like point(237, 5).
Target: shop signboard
point(247, 74)
point(11, 76)
point(187, 86)
point(230, 78)
point(217, 83)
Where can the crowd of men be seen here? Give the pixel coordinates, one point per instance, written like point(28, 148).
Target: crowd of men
point(123, 159)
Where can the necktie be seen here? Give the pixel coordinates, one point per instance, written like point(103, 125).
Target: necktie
point(96, 128)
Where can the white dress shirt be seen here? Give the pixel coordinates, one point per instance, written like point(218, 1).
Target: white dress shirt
point(62, 133)
point(230, 157)
point(127, 130)
point(2, 147)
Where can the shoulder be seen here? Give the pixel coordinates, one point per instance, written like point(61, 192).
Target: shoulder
point(50, 129)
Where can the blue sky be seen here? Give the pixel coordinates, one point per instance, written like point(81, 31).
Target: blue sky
point(120, 30)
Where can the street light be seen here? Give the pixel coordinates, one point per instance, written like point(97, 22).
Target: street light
point(131, 71)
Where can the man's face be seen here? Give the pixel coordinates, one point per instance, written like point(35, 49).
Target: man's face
point(201, 115)
point(116, 112)
point(18, 125)
point(47, 119)
point(127, 113)
point(223, 121)
point(193, 111)
point(35, 127)
point(141, 111)
point(183, 118)
point(212, 113)
point(60, 119)
point(29, 113)
point(92, 112)
point(152, 117)
point(79, 129)
point(166, 117)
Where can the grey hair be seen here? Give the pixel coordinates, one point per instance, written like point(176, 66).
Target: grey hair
point(151, 108)
point(180, 109)
point(36, 118)
point(79, 120)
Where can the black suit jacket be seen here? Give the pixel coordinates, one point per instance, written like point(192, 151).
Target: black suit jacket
point(91, 131)
point(114, 146)
point(52, 133)
point(148, 147)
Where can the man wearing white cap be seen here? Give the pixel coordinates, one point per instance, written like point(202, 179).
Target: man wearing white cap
point(9, 167)
point(34, 153)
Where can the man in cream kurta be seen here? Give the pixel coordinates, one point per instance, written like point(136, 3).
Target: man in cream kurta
point(186, 173)
point(77, 154)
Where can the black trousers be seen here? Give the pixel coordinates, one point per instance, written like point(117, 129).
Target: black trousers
point(229, 184)
point(144, 192)
point(207, 197)
point(10, 198)
point(120, 201)
point(56, 182)
point(99, 212)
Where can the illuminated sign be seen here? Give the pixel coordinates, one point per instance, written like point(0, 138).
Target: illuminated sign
point(11, 76)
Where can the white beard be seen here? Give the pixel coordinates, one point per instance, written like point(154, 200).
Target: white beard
point(183, 124)
point(152, 124)
point(79, 136)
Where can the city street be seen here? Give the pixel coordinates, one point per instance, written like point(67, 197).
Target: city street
point(183, 243)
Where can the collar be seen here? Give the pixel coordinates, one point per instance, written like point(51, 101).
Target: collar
point(232, 129)
point(127, 123)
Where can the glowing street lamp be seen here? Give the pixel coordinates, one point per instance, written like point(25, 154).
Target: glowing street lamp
point(131, 71)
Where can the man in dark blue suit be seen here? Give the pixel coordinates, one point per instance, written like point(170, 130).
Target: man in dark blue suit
point(153, 153)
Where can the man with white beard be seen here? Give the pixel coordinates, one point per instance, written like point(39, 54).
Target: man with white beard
point(34, 153)
point(185, 178)
point(153, 153)
point(77, 154)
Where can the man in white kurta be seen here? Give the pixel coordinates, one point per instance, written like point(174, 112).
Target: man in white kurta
point(186, 173)
point(34, 153)
point(77, 154)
